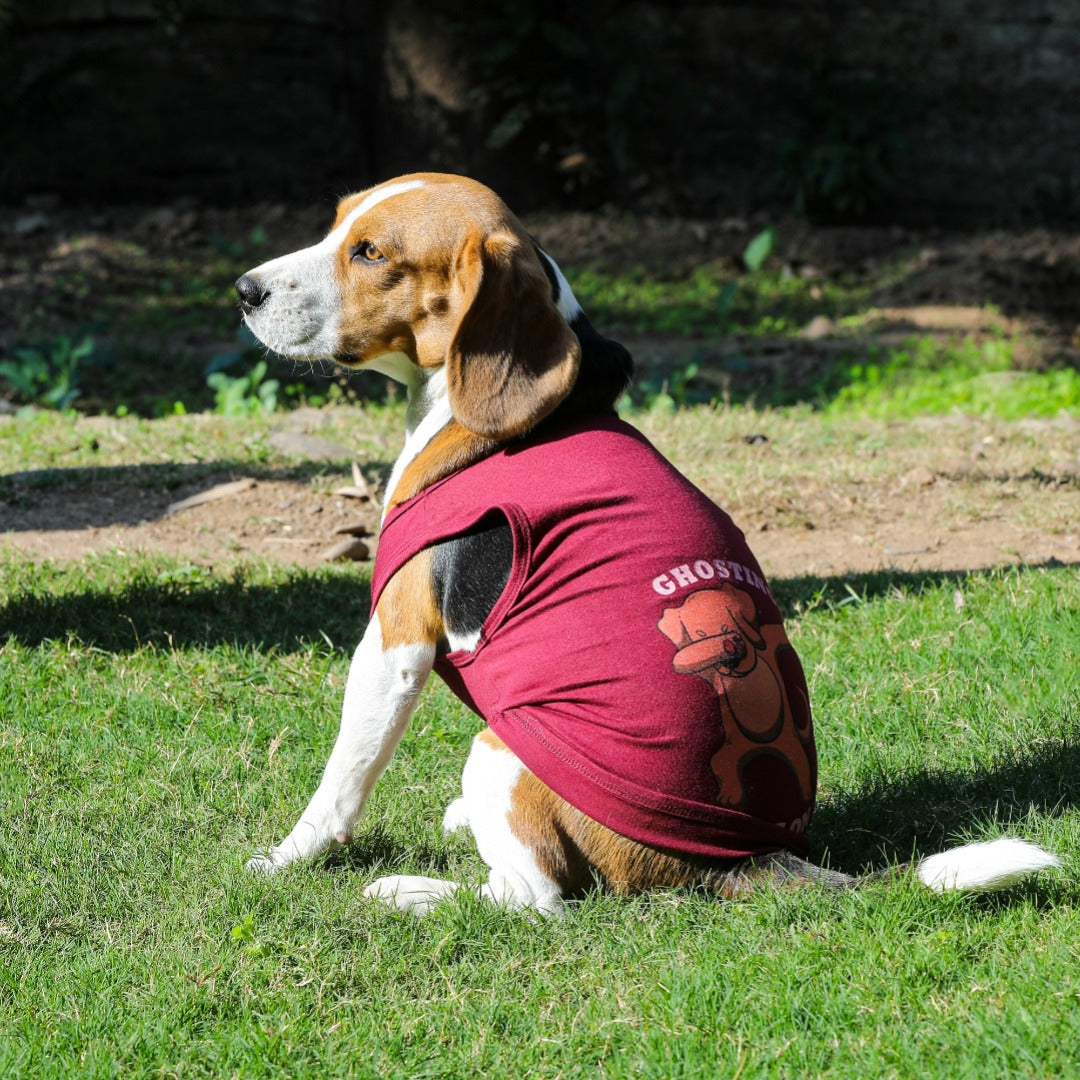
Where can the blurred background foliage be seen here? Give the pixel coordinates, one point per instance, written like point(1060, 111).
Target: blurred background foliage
point(924, 112)
point(754, 181)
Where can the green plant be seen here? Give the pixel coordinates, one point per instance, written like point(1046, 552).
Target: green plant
point(759, 249)
point(675, 389)
point(48, 374)
point(242, 395)
point(243, 933)
point(706, 301)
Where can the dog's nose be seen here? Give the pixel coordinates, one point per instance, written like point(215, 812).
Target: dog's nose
point(251, 291)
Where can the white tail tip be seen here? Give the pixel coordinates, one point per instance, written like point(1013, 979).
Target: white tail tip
point(994, 864)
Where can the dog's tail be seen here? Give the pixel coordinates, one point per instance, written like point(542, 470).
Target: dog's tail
point(982, 867)
point(994, 864)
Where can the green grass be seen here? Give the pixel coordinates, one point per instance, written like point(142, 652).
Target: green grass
point(925, 377)
point(157, 723)
point(159, 720)
point(710, 301)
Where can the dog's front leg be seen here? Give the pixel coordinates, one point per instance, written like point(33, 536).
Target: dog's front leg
point(380, 695)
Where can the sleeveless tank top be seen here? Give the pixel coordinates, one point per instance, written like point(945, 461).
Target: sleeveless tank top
point(636, 660)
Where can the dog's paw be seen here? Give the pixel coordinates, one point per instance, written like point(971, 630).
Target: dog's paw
point(407, 892)
point(455, 819)
point(304, 844)
point(268, 862)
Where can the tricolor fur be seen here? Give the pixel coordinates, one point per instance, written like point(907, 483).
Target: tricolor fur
point(431, 280)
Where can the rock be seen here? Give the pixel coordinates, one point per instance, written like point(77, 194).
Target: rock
point(28, 224)
point(351, 549)
point(920, 476)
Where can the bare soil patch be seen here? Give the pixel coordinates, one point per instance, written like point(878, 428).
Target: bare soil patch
point(57, 264)
point(285, 521)
point(282, 520)
point(951, 494)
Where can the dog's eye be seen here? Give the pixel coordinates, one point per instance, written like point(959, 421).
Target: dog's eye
point(366, 251)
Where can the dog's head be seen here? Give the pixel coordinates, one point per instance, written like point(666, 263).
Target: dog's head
point(421, 272)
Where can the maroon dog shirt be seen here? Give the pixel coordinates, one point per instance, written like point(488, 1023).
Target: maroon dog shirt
point(636, 661)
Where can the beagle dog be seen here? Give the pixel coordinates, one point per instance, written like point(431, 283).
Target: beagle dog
point(648, 722)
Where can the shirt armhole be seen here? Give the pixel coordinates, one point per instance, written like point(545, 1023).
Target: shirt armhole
point(519, 569)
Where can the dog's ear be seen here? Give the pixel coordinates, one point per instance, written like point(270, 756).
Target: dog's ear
point(512, 358)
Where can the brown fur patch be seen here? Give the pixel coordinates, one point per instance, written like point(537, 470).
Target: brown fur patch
point(512, 359)
point(407, 610)
point(491, 740)
point(568, 846)
point(450, 449)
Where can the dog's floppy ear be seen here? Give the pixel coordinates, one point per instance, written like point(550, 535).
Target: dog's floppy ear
point(512, 358)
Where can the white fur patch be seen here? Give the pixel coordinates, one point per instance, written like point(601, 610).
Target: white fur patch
point(568, 306)
point(487, 786)
point(380, 696)
point(428, 413)
point(381, 194)
point(411, 893)
point(984, 867)
point(516, 880)
point(456, 816)
point(463, 642)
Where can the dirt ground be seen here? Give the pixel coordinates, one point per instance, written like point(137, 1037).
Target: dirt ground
point(952, 497)
point(910, 521)
point(277, 521)
point(287, 521)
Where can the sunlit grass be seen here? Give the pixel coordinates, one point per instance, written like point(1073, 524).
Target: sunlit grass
point(710, 301)
point(156, 726)
point(926, 377)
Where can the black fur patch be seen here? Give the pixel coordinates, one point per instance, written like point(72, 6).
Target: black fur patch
point(606, 369)
point(606, 366)
point(392, 278)
point(549, 272)
point(470, 573)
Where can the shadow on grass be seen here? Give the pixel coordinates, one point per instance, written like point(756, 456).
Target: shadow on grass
point(181, 607)
point(164, 609)
point(797, 593)
point(890, 818)
point(98, 497)
point(376, 852)
point(897, 817)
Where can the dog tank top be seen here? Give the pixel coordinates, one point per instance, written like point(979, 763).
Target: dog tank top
point(636, 661)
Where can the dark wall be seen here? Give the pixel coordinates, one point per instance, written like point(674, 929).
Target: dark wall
point(960, 111)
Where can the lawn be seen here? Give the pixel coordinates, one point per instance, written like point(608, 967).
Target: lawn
point(158, 725)
point(163, 716)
